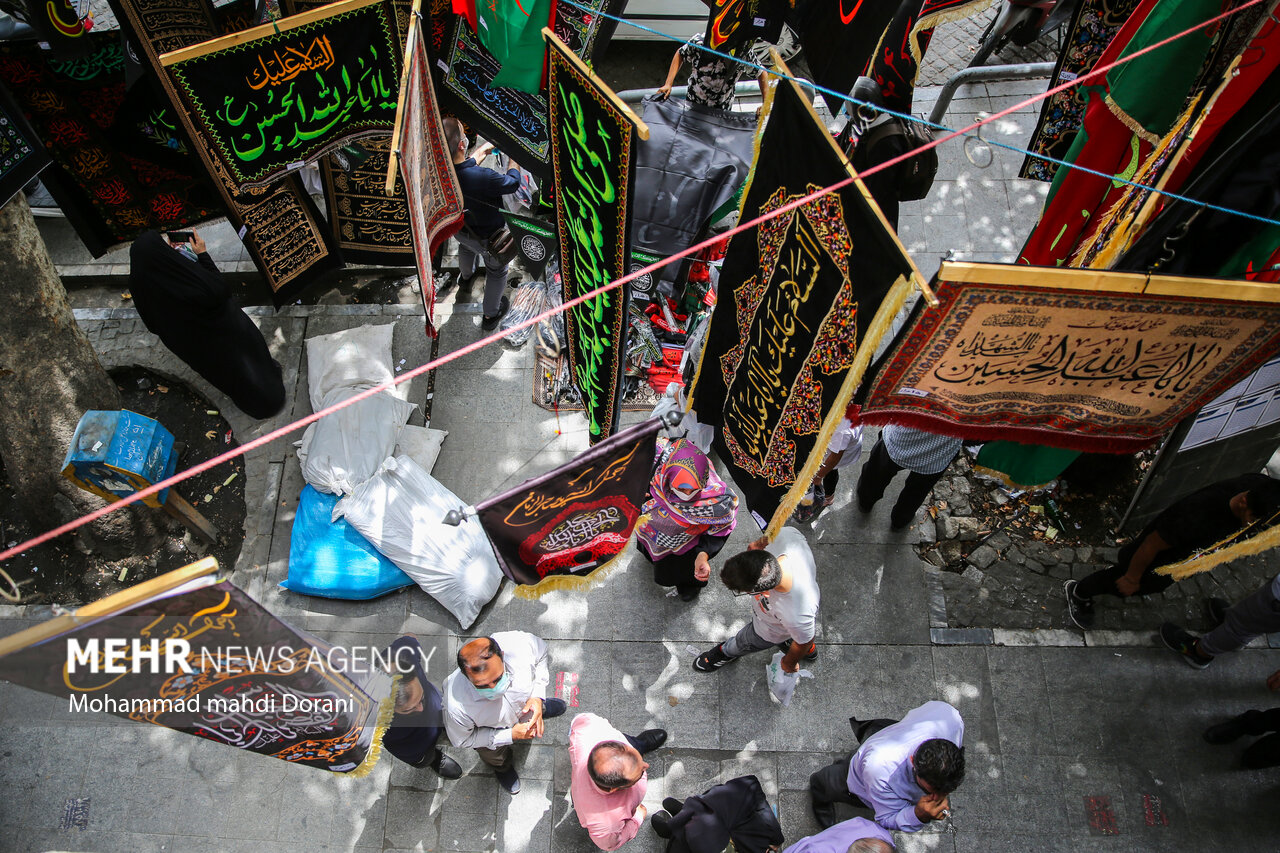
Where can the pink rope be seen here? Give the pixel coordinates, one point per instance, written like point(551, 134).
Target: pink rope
point(657, 265)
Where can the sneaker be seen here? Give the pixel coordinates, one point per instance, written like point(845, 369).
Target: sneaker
point(785, 646)
point(509, 780)
point(1079, 609)
point(1183, 642)
point(829, 499)
point(661, 823)
point(711, 660)
point(491, 323)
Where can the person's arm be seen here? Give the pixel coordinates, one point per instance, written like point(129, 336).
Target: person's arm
point(1152, 545)
point(465, 734)
point(763, 79)
point(611, 838)
point(932, 807)
point(541, 667)
point(500, 184)
point(664, 91)
point(902, 819)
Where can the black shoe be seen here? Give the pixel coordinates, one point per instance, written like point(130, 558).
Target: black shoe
point(712, 659)
point(661, 823)
point(1182, 641)
point(897, 522)
point(1079, 609)
point(509, 780)
point(648, 740)
point(553, 707)
point(1262, 753)
point(672, 805)
point(785, 645)
point(1217, 608)
point(491, 323)
point(445, 767)
point(1232, 730)
point(690, 593)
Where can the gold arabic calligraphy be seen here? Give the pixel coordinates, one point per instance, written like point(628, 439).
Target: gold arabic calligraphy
point(280, 67)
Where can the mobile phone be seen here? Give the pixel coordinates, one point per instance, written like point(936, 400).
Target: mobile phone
point(181, 236)
point(525, 717)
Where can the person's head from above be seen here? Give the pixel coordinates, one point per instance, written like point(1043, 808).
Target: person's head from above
point(614, 765)
point(455, 136)
point(939, 766)
point(685, 474)
point(870, 845)
point(751, 572)
point(481, 661)
point(1260, 503)
point(408, 694)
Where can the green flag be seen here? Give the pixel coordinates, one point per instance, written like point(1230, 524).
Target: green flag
point(512, 31)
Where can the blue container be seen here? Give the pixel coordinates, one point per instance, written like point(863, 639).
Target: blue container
point(116, 453)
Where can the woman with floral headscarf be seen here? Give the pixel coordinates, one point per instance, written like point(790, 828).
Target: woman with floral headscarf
point(691, 514)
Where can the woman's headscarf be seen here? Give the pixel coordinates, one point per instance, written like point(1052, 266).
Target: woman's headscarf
point(687, 499)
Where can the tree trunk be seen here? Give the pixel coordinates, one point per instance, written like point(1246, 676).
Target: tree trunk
point(49, 377)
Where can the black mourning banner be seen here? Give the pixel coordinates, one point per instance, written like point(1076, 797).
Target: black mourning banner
point(838, 37)
point(804, 297)
point(294, 91)
point(535, 240)
point(22, 156)
point(592, 135)
point(583, 28)
point(578, 517)
point(733, 24)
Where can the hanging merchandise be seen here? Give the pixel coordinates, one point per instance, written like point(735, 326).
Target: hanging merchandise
point(804, 298)
point(529, 300)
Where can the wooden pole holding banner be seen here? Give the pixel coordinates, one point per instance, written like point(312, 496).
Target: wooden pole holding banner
point(289, 23)
point(103, 607)
point(642, 129)
point(393, 161)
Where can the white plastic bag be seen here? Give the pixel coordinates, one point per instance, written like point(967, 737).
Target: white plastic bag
point(699, 434)
point(401, 511)
point(342, 450)
point(782, 684)
point(358, 358)
point(421, 444)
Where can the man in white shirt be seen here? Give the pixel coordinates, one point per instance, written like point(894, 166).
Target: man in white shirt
point(903, 771)
point(783, 584)
point(496, 697)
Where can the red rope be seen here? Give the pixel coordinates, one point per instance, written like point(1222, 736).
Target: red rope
point(654, 267)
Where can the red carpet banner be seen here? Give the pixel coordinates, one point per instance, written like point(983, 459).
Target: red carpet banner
point(1094, 25)
point(22, 155)
point(577, 518)
point(803, 300)
point(274, 97)
point(1076, 359)
point(280, 226)
point(593, 155)
point(201, 657)
point(435, 200)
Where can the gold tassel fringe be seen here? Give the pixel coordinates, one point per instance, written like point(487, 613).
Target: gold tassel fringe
point(1264, 541)
point(578, 583)
point(386, 710)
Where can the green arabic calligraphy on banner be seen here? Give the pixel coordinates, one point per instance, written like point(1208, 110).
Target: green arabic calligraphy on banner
point(592, 157)
point(273, 102)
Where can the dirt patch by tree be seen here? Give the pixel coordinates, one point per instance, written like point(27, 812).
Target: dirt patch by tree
point(58, 572)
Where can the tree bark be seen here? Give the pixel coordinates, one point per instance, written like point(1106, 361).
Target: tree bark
point(49, 377)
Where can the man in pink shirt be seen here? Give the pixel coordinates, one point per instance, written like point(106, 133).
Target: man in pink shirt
point(609, 778)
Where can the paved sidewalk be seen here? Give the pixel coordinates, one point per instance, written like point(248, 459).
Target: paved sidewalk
point(1069, 747)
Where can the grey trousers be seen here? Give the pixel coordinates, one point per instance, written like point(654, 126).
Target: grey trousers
point(495, 273)
point(498, 759)
point(1247, 619)
point(745, 642)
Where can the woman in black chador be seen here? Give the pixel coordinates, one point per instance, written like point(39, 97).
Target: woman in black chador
point(183, 299)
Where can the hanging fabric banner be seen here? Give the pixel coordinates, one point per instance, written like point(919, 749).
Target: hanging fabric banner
point(576, 519)
point(201, 657)
point(734, 24)
point(593, 154)
point(285, 235)
point(839, 39)
point(511, 30)
point(1077, 359)
point(694, 160)
point(804, 298)
point(274, 97)
point(896, 61)
point(120, 166)
point(535, 240)
point(1091, 29)
point(588, 30)
point(22, 155)
point(426, 169)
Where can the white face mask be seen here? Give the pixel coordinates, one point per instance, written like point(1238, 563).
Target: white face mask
point(683, 495)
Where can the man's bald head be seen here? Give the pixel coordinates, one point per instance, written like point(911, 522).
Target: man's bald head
point(870, 845)
point(613, 765)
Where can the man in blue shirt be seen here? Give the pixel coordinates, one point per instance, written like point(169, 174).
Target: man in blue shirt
point(482, 192)
point(419, 720)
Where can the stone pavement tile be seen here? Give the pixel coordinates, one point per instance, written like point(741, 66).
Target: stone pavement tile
point(476, 793)
point(753, 762)
point(795, 768)
point(1113, 798)
point(413, 820)
point(795, 816)
point(569, 614)
point(383, 615)
point(1021, 699)
point(524, 821)
point(70, 840)
point(963, 678)
point(593, 663)
point(688, 772)
point(925, 841)
point(568, 836)
point(645, 677)
point(870, 594)
point(843, 521)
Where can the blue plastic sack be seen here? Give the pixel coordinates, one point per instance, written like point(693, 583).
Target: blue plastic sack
point(331, 559)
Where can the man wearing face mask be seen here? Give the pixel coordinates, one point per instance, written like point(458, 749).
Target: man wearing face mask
point(497, 696)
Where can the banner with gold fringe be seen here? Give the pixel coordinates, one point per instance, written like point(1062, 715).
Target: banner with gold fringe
point(804, 299)
point(564, 528)
point(199, 656)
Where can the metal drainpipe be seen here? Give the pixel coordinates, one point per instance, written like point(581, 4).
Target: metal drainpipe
point(985, 74)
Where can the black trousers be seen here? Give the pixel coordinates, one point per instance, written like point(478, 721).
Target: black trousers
point(1103, 581)
point(830, 785)
point(1264, 752)
point(876, 474)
